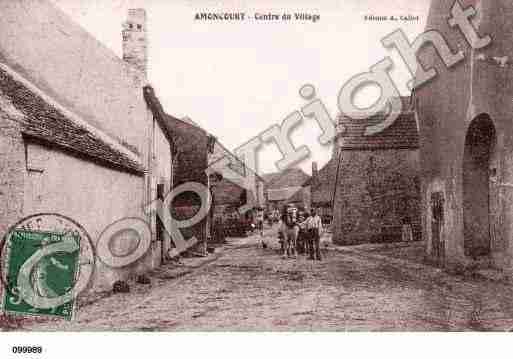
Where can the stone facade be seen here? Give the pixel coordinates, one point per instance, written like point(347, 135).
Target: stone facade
point(378, 183)
point(377, 192)
point(467, 142)
point(95, 201)
point(77, 136)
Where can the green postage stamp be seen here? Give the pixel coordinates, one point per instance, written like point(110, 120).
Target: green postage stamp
point(40, 272)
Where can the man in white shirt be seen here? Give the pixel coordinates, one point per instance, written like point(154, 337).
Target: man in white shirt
point(315, 230)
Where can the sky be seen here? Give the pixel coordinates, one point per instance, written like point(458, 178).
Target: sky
point(236, 79)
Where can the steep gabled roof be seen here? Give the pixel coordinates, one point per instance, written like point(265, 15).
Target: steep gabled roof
point(191, 143)
point(291, 177)
point(402, 133)
point(48, 124)
point(270, 177)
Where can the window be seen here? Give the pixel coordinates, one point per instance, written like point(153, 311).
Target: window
point(139, 27)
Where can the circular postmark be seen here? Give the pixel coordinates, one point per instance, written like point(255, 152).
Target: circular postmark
point(46, 261)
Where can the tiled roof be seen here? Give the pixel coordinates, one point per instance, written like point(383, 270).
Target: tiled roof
point(292, 177)
point(46, 123)
point(402, 133)
point(192, 159)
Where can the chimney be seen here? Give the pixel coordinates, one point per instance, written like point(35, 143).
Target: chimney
point(315, 173)
point(135, 47)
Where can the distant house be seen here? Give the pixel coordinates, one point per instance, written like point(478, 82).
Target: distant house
point(378, 186)
point(289, 186)
point(79, 131)
point(196, 149)
point(322, 186)
point(230, 192)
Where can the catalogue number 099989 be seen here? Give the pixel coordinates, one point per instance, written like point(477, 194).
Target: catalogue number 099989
point(27, 349)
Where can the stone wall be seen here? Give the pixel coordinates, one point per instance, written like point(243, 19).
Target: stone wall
point(377, 192)
point(92, 195)
point(478, 87)
point(12, 165)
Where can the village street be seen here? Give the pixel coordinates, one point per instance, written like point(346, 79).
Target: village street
point(246, 287)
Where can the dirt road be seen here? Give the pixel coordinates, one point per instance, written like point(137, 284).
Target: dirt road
point(247, 287)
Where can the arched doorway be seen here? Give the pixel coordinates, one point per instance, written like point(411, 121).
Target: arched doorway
point(477, 170)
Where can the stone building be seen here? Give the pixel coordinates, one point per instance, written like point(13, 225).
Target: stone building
point(378, 182)
point(287, 187)
point(466, 137)
point(78, 134)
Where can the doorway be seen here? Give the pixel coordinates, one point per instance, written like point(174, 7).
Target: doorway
point(437, 223)
point(477, 171)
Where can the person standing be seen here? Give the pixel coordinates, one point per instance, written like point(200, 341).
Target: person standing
point(315, 229)
point(260, 221)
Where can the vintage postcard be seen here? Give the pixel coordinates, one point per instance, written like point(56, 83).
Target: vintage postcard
point(255, 166)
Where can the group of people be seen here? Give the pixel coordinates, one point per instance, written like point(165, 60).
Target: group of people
point(289, 231)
